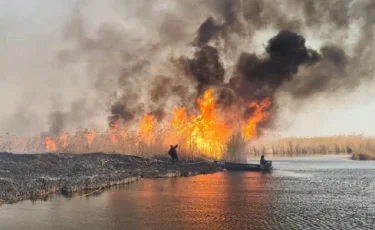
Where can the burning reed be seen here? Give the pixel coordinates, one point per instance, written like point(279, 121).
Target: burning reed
point(205, 133)
point(194, 76)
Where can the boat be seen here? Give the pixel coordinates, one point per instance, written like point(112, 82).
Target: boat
point(231, 166)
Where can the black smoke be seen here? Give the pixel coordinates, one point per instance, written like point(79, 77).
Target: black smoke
point(256, 78)
point(206, 31)
point(286, 52)
point(219, 55)
point(205, 67)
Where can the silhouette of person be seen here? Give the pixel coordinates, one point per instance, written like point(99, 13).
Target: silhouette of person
point(173, 153)
point(262, 160)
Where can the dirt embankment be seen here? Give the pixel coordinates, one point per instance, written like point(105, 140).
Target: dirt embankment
point(32, 176)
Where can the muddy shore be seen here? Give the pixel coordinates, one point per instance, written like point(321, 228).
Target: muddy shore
point(34, 176)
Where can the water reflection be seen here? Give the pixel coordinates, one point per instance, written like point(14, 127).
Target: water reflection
point(250, 210)
point(310, 195)
point(209, 202)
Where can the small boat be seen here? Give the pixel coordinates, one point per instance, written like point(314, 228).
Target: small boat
point(230, 166)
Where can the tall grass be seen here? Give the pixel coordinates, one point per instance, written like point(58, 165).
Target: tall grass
point(236, 148)
point(132, 144)
point(354, 144)
point(362, 147)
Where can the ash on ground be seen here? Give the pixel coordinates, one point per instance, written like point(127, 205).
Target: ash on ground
point(34, 176)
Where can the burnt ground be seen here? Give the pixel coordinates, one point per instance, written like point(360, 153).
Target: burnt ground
point(34, 176)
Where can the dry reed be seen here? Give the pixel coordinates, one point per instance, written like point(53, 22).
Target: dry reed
point(362, 147)
point(352, 144)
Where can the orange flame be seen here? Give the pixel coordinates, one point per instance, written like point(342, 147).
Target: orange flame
point(123, 135)
point(49, 144)
point(259, 115)
point(180, 117)
point(206, 132)
point(64, 140)
point(207, 105)
point(113, 133)
point(146, 128)
point(90, 137)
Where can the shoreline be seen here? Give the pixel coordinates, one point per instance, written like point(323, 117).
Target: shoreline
point(252, 159)
point(349, 156)
point(35, 176)
point(363, 157)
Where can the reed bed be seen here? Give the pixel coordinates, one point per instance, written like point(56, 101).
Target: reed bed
point(237, 149)
point(357, 145)
point(131, 144)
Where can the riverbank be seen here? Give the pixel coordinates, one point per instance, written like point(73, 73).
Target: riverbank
point(34, 176)
point(361, 147)
point(363, 156)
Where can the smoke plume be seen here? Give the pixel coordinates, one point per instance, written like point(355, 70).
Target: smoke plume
point(148, 57)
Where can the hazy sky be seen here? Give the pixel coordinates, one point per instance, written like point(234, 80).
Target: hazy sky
point(347, 114)
point(30, 36)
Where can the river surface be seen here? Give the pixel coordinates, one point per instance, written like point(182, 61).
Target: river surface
point(303, 193)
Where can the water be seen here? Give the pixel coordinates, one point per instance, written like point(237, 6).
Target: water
point(304, 193)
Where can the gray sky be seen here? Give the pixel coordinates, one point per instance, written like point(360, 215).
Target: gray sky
point(343, 115)
point(30, 36)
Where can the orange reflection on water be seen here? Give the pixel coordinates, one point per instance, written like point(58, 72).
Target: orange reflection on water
point(247, 193)
point(210, 200)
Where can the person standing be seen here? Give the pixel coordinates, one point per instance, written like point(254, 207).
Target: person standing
point(173, 153)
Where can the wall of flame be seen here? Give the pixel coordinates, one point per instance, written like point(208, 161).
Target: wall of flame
point(206, 133)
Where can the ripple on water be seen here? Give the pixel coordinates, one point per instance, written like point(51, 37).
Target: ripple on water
point(299, 194)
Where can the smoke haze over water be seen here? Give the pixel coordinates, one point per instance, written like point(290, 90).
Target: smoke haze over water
point(86, 64)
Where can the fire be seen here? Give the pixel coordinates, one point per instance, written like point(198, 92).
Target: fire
point(146, 128)
point(206, 131)
point(90, 137)
point(64, 140)
point(113, 133)
point(180, 117)
point(207, 105)
point(123, 135)
point(49, 144)
point(259, 115)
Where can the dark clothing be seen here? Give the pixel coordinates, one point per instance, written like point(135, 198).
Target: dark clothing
point(263, 161)
point(173, 153)
point(174, 158)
